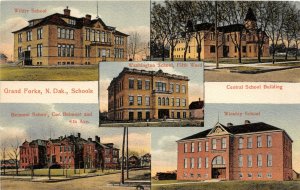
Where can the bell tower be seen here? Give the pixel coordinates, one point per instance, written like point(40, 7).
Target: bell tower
point(250, 20)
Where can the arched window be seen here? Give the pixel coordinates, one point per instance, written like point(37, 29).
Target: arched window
point(218, 161)
point(163, 101)
point(159, 101)
point(167, 101)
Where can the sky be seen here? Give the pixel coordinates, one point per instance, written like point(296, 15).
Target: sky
point(284, 116)
point(109, 70)
point(126, 16)
point(31, 128)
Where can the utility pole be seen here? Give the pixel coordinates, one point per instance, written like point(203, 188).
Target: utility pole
point(216, 35)
point(127, 169)
point(122, 166)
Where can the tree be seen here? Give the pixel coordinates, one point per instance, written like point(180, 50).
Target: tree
point(233, 13)
point(276, 18)
point(292, 27)
point(3, 155)
point(14, 154)
point(134, 45)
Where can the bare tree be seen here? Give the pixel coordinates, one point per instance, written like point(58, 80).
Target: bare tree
point(3, 155)
point(14, 154)
point(123, 154)
point(134, 45)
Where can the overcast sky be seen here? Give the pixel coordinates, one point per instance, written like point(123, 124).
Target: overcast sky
point(126, 16)
point(109, 70)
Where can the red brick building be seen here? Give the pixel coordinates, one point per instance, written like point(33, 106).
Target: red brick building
point(33, 154)
point(68, 152)
point(252, 151)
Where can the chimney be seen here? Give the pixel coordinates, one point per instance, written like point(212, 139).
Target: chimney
point(229, 124)
point(97, 139)
point(90, 139)
point(199, 99)
point(78, 135)
point(88, 17)
point(67, 11)
point(247, 122)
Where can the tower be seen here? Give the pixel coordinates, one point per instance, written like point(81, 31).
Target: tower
point(250, 20)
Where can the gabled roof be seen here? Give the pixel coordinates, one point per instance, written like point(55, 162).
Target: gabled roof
point(196, 105)
point(236, 129)
point(57, 19)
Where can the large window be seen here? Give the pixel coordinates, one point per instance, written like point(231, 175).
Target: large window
point(269, 141)
point(172, 102)
point(199, 146)
point(87, 35)
point(177, 102)
point(139, 84)
point(20, 37)
point(185, 147)
point(214, 144)
point(131, 100)
point(147, 101)
point(249, 160)
point(192, 147)
point(223, 145)
point(29, 35)
point(183, 89)
point(241, 142)
point(218, 161)
point(206, 162)
point(183, 102)
point(192, 163)
point(269, 160)
point(206, 146)
point(159, 101)
point(87, 51)
point(249, 142)
point(259, 160)
point(39, 50)
point(185, 163)
point(259, 143)
point(167, 101)
point(171, 87)
point(199, 162)
point(39, 33)
point(63, 33)
point(240, 160)
point(139, 100)
point(160, 86)
point(212, 49)
point(177, 88)
point(147, 84)
point(131, 83)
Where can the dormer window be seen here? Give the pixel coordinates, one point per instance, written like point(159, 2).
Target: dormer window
point(72, 21)
point(31, 23)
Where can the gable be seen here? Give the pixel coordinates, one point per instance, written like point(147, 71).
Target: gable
point(98, 25)
point(218, 130)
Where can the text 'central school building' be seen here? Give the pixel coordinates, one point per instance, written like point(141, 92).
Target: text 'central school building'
point(141, 95)
point(252, 151)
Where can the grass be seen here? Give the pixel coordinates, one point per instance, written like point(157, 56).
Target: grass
point(228, 185)
point(286, 64)
point(18, 73)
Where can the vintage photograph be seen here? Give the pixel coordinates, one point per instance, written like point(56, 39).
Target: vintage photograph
point(50, 40)
point(61, 145)
point(151, 94)
point(237, 40)
point(242, 146)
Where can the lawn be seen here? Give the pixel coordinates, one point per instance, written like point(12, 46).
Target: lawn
point(226, 185)
point(79, 73)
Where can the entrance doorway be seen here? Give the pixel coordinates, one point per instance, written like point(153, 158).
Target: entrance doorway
point(218, 173)
point(225, 51)
point(163, 113)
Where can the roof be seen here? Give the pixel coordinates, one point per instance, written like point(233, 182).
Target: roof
point(160, 73)
point(250, 15)
point(196, 105)
point(237, 129)
point(56, 19)
point(231, 28)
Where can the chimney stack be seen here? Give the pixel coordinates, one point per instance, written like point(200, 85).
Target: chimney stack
point(90, 139)
point(247, 122)
point(78, 135)
point(88, 17)
point(229, 124)
point(67, 11)
point(97, 139)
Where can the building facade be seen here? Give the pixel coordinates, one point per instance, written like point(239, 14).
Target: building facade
point(252, 151)
point(68, 152)
point(203, 41)
point(144, 95)
point(61, 39)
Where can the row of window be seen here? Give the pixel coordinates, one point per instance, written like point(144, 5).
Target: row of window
point(119, 40)
point(140, 115)
point(259, 143)
point(97, 36)
point(65, 33)
point(259, 161)
point(29, 35)
point(29, 160)
point(39, 50)
point(213, 145)
point(65, 50)
point(249, 175)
